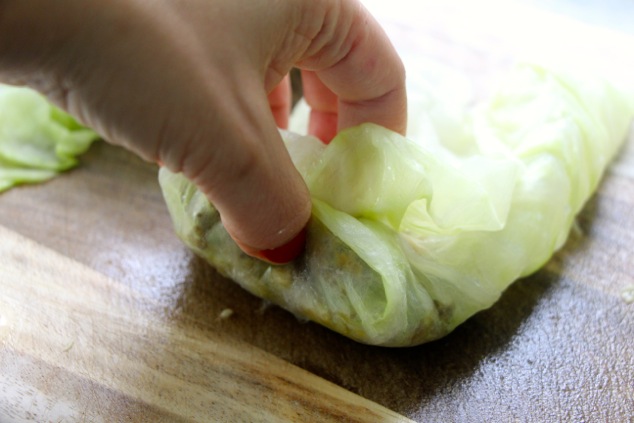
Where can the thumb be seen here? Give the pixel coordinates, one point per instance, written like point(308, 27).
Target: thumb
point(241, 164)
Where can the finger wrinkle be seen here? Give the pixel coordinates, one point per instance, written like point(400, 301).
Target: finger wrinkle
point(329, 44)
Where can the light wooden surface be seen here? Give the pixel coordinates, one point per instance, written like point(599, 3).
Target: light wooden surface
point(104, 315)
point(78, 346)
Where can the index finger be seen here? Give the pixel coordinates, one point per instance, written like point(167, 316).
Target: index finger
point(361, 66)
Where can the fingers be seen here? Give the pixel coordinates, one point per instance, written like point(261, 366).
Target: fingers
point(363, 82)
point(361, 67)
point(280, 102)
point(249, 176)
point(324, 106)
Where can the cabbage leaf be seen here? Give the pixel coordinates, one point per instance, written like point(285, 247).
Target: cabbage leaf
point(37, 139)
point(410, 236)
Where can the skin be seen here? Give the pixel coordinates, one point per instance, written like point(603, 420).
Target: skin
point(201, 85)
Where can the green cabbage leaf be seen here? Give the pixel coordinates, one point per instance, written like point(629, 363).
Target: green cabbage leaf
point(37, 139)
point(410, 236)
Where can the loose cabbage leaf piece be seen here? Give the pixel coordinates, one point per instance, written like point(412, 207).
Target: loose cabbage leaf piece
point(411, 236)
point(37, 140)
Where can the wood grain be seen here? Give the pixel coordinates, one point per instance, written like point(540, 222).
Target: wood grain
point(558, 346)
point(91, 341)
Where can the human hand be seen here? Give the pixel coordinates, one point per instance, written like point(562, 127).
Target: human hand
point(200, 85)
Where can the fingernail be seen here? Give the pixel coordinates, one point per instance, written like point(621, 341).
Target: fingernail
point(287, 252)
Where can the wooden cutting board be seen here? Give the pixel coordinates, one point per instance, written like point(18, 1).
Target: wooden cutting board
point(78, 346)
point(105, 316)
